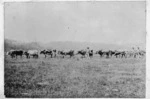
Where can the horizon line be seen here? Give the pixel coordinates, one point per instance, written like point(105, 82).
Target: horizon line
point(74, 42)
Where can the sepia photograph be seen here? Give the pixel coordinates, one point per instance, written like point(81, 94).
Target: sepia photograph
point(75, 49)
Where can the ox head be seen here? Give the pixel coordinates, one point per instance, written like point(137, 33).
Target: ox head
point(43, 52)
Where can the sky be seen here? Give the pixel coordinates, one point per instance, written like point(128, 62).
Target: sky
point(100, 22)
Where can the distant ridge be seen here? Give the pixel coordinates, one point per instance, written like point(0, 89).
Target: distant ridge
point(12, 44)
point(95, 46)
point(67, 45)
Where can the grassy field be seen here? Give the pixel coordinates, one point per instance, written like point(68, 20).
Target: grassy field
point(75, 77)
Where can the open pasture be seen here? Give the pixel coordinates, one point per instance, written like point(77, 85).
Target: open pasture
point(75, 77)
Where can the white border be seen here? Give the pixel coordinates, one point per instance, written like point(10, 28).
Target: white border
point(1, 51)
point(63, 0)
point(2, 41)
point(148, 50)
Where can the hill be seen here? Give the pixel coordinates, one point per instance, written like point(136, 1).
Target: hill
point(67, 45)
point(12, 44)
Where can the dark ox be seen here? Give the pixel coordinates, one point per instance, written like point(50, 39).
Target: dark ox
point(100, 52)
point(90, 53)
point(111, 53)
point(47, 52)
point(16, 53)
point(82, 53)
point(120, 54)
point(70, 53)
point(108, 54)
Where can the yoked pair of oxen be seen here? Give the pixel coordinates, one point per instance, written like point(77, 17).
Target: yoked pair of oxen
point(84, 53)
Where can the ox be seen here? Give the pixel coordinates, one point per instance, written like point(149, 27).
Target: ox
point(100, 53)
point(47, 52)
point(70, 53)
point(82, 53)
point(15, 53)
point(33, 53)
point(65, 53)
point(120, 54)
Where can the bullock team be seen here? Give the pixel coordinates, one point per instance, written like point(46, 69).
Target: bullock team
point(71, 53)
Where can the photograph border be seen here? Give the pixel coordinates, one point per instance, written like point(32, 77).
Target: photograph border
point(2, 41)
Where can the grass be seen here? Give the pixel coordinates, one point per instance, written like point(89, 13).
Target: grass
point(75, 77)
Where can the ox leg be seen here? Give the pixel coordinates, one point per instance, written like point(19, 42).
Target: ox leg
point(27, 56)
point(37, 56)
point(107, 56)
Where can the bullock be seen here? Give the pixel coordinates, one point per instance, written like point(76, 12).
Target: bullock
point(70, 53)
point(100, 53)
point(123, 54)
point(138, 54)
point(47, 52)
point(133, 54)
point(142, 53)
point(33, 53)
point(62, 53)
point(65, 53)
point(111, 53)
point(120, 54)
point(15, 53)
point(117, 54)
point(107, 53)
point(82, 53)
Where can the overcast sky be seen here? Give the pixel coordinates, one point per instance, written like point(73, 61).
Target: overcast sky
point(103, 22)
